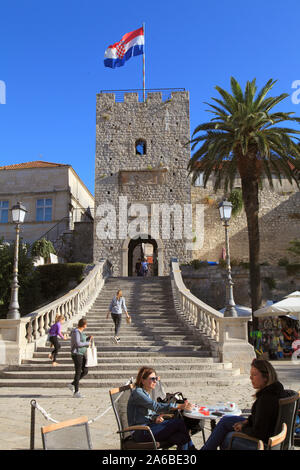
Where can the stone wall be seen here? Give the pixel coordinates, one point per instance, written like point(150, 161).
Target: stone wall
point(82, 249)
point(209, 284)
point(279, 222)
point(156, 177)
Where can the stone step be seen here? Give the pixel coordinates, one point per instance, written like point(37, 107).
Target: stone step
point(137, 336)
point(95, 373)
point(138, 355)
point(68, 365)
point(147, 348)
point(169, 384)
point(156, 337)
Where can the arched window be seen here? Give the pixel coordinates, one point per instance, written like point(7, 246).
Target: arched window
point(140, 147)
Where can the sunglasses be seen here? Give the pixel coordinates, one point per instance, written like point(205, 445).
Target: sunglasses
point(154, 379)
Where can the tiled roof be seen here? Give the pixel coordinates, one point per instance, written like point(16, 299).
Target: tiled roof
point(35, 164)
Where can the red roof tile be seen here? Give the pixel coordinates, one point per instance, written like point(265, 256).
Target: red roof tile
point(35, 164)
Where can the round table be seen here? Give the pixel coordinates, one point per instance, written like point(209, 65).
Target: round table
point(212, 413)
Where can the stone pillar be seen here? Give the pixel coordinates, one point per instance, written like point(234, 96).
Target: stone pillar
point(13, 343)
point(234, 346)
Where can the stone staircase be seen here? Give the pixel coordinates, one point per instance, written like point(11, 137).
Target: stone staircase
point(156, 337)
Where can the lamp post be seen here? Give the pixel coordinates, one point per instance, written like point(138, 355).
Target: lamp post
point(225, 208)
point(18, 216)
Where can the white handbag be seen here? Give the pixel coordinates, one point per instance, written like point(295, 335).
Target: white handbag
point(91, 356)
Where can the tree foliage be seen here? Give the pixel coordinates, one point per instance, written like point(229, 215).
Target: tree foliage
point(246, 138)
point(29, 286)
point(42, 248)
point(295, 247)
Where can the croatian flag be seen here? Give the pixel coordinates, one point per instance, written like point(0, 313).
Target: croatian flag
point(130, 45)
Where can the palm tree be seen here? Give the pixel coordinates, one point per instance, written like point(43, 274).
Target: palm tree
point(244, 138)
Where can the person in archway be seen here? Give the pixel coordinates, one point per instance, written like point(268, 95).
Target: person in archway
point(115, 310)
point(144, 267)
point(138, 267)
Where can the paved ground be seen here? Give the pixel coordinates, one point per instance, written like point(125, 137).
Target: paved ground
point(15, 409)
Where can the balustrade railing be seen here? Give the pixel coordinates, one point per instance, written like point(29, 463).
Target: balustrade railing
point(222, 333)
point(75, 302)
point(205, 318)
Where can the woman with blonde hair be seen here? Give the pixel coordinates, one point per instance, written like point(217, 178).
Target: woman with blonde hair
point(115, 310)
point(262, 420)
point(141, 409)
point(54, 334)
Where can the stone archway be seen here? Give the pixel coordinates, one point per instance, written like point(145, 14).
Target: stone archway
point(128, 247)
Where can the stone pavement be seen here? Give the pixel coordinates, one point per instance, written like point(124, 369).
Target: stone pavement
point(15, 408)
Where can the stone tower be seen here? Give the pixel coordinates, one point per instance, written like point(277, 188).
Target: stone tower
point(141, 180)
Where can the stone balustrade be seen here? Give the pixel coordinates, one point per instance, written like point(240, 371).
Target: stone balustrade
point(226, 336)
point(19, 338)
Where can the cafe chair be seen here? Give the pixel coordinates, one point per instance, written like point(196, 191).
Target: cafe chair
point(274, 442)
point(288, 408)
point(72, 434)
point(119, 399)
point(287, 413)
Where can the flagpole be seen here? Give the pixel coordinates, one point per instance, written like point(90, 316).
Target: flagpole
point(144, 88)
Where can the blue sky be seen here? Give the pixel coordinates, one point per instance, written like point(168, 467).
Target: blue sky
point(51, 61)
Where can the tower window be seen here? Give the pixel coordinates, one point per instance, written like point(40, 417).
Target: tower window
point(140, 147)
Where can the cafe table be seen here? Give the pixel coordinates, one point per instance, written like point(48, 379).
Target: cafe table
point(213, 412)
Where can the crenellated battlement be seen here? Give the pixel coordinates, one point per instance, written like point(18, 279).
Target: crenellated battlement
point(160, 95)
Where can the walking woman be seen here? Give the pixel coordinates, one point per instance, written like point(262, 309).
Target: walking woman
point(79, 344)
point(141, 409)
point(54, 334)
point(115, 309)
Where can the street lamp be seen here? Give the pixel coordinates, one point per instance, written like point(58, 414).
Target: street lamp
point(225, 208)
point(18, 216)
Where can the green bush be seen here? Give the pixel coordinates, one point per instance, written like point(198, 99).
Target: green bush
point(42, 248)
point(283, 262)
point(54, 278)
point(197, 264)
point(270, 281)
point(295, 247)
point(29, 291)
point(292, 269)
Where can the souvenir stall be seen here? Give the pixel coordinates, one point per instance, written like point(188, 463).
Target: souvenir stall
point(278, 328)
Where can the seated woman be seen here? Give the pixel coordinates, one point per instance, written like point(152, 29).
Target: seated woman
point(262, 420)
point(142, 410)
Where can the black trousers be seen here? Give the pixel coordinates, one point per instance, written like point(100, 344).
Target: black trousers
point(54, 340)
point(117, 318)
point(80, 369)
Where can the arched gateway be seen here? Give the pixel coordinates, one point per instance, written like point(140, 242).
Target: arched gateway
point(141, 160)
point(134, 250)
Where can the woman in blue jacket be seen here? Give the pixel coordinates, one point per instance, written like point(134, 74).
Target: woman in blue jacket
point(141, 409)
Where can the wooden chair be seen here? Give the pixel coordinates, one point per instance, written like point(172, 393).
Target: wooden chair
point(67, 435)
point(288, 408)
point(287, 413)
point(274, 443)
point(119, 399)
point(245, 437)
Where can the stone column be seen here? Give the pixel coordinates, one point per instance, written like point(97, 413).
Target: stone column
point(233, 345)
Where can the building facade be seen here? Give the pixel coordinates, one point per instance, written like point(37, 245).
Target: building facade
point(53, 194)
point(141, 180)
